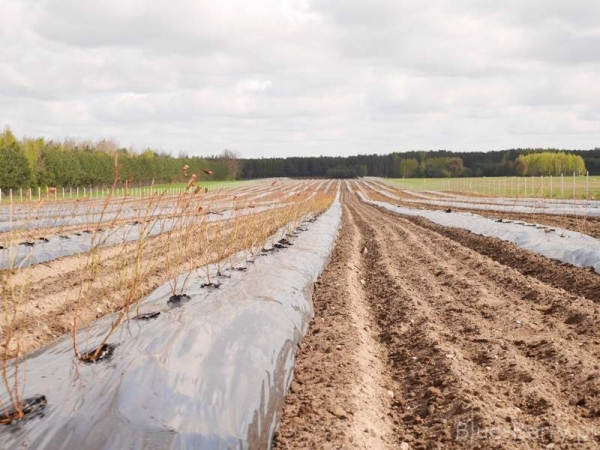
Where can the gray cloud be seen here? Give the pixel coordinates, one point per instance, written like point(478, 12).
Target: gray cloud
point(296, 77)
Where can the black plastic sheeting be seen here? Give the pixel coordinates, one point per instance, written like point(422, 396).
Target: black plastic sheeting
point(19, 217)
point(40, 251)
point(209, 372)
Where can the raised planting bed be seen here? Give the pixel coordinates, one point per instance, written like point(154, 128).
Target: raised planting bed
point(208, 372)
point(566, 246)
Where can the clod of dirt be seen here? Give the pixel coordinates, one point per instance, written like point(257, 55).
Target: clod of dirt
point(96, 355)
point(277, 245)
point(178, 298)
point(31, 406)
point(43, 239)
point(449, 210)
point(147, 316)
point(2, 247)
point(338, 412)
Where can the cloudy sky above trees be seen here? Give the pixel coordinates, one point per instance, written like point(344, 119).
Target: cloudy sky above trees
point(304, 77)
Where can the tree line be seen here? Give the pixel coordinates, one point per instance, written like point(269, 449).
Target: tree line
point(33, 162)
point(429, 164)
point(30, 162)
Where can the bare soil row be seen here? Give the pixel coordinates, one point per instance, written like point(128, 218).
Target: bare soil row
point(469, 344)
point(582, 224)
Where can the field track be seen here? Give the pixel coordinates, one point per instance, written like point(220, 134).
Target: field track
point(426, 337)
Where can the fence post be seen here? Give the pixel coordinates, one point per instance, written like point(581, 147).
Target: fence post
point(10, 196)
point(0, 195)
point(29, 194)
point(550, 186)
point(21, 194)
point(587, 185)
point(562, 186)
point(39, 192)
point(573, 184)
point(532, 188)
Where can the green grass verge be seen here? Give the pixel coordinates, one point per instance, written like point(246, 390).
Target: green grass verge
point(25, 195)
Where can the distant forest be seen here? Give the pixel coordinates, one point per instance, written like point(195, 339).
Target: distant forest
point(430, 164)
point(32, 162)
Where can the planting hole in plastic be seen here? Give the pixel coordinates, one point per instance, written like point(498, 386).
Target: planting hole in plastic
point(32, 406)
point(147, 316)
point(178, 298)
point(96, 355)
point(27, 243)
point(210, 285)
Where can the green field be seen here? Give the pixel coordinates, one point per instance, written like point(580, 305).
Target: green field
point(18, 195)
point(542, 187)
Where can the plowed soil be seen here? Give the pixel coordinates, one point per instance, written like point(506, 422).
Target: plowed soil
point(426, 337)
point(589, 225)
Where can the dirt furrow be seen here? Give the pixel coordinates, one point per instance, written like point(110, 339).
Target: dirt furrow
point(480, 354)
point(527, 365)
point(589, 225)
point(342, 392)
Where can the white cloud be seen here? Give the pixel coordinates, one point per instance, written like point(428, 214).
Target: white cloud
point(295, 77)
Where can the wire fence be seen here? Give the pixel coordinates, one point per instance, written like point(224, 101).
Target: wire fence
point(562, 186)
point(97, 192)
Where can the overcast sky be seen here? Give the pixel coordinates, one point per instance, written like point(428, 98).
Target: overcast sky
point(304, 77)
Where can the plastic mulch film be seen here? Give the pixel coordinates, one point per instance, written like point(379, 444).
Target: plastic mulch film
point(210, 371)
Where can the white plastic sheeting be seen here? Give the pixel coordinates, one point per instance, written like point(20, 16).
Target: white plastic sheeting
point(566, 246)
